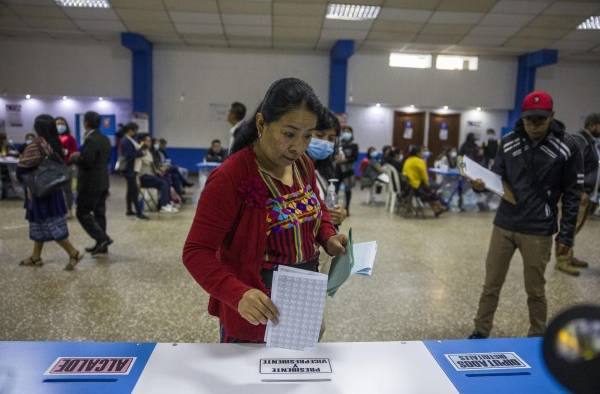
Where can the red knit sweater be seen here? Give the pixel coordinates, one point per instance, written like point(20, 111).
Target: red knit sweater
point(225, 247)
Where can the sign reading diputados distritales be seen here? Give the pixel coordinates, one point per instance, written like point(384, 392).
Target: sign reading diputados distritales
point(283, 366)
point(486, 361)
point(91, 366)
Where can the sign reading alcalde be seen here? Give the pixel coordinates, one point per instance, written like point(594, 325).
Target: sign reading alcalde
point(91, 366)
point(486, 361)
point(294, 365)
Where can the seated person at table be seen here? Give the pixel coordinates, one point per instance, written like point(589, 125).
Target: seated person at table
point(393, 157)
point(415, 169)
point(216, 153)
point(165, 170)
point(29, 137)
point(151, 177)
point(371, 169)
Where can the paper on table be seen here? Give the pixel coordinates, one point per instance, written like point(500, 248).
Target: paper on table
point(474, 171)
point(300, 297)
point(364, 258)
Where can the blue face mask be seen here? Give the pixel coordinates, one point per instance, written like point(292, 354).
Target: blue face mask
point(61, 128)
point(319, 149)
point(346, 136)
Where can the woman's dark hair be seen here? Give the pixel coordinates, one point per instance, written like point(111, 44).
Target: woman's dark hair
point(68, 132)
point(414, 150)
point(284, 95)
point(386, 150)
point(45, 127)
point(471, 138)
point(328, 120)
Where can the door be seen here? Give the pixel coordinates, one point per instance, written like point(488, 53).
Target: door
point(409, 129)
point(443, 134)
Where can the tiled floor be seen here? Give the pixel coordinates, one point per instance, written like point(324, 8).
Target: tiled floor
point(426, 284)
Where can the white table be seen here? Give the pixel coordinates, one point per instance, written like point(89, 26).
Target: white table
point(359, 367)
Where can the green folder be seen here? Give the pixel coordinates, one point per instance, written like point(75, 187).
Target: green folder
point(341, 267)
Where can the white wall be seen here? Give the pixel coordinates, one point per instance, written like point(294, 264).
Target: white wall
point(58, 107)
point(492, 86)
point(53, 68)
point(221, 77)
point(575, 88)
point(374, 126)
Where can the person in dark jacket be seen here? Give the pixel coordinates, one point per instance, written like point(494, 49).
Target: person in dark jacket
point(540, 164)
point(490, 148)
point(131, 150)
point(93, 183)
point(588, 145)
point(216, 153)
point(345, 164)
point(470, 149)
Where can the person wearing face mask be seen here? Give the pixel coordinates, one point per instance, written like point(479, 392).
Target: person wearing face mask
point(415, 170)
point(540, 165)
point(370, 169)
point(249, 219)
point(29, 137)
point(345, 164)
point(490, 148)
point(69, 148)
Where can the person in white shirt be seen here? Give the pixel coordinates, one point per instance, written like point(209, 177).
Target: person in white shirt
point(235, 117)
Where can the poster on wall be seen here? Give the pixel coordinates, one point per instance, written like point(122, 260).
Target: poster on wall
point(408, 130)
point(217, 112)
point(141, 119)
point(444, 131)
point(474, 126)
point(14, 116)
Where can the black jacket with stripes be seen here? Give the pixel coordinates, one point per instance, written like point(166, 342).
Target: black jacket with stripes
point(539, 175)
point(587, 146)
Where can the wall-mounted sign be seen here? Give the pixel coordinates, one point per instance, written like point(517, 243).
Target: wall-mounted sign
point(408, 130)
point(444, 131)
point(14, 116)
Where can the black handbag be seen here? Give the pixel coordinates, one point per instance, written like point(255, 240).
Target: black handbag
point(50, 176)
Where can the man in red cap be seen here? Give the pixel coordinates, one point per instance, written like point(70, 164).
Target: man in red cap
point(541, 164)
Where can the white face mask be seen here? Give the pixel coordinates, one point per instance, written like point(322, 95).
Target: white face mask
point(156, 146)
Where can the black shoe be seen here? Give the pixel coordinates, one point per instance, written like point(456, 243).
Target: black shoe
point(141, 216)
point(91, 248)
point(99, 251)
point(130, 213)
point(477, 335)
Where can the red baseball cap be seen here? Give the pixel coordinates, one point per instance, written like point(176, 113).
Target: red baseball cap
point(537, 103)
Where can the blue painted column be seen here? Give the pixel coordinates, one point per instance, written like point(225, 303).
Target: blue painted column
point(339, 54)
point(528, 64)
point(141, 73)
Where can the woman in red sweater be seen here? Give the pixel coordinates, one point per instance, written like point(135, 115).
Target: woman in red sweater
point(69, 145)
point(258, 210)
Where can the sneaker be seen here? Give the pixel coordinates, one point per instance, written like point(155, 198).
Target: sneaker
point(575, 262)
point(477, 335)
point(141, 216)
point(169, 209)
point(567, 269)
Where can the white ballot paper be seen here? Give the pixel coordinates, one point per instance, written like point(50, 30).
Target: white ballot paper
point(364, 258)
point(299, 295)
point(474, 171)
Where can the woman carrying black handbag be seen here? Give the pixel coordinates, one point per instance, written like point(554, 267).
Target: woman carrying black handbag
point(46, 215)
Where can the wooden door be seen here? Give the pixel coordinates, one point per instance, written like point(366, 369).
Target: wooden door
point(409, 129)
point(443, 133)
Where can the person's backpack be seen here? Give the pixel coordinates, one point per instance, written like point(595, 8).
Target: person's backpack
point(48, 177)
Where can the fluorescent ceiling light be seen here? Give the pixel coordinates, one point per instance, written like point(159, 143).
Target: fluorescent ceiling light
point(591, 23)
point(352, 12)
point(448, 62)
point(28, 96)
point(410, 60)
point(445, 107)
point(83, 3)
point(478, 109)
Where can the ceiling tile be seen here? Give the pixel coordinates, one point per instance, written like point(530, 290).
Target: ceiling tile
point(297, 21)
point(5, 11)
point(138, 4)
point(9, 21)
point(571, 45)
point(70, 35)
point(466, 5)
point(207, 6)
point(413, 4)
point(344, 34)
point(390, 36)
point(299, 9)
point(419, 47)
point(437, 39)
point(573, 8)
point(529, 43)
point(30, 2)
point(363, 2)
point(252, 31)
point(584, 35)
point(50, 23)
point(520, 7)
point(195, 17)
point(24, 33)
point(207, 42)
point(106, 36)
point(245, 42)
point(147, 16)
point(244, 7)
point(186, 28)
point(483, 30)
point(557, 21)
point(286, 44)
point(200, 37)
point(404, 15)
point(383, 45)
point(151, 28)
point(332, 24)
point(536, 32)
point(455, 17)
point(100, 25)
point(165, 39)
point(91, 13)
point(294, 33)
point(486, 41)
point(517, 20)
point(382, 25)
point(588, 57)
point(246, 19)
point(434, 28)
point(41, 12)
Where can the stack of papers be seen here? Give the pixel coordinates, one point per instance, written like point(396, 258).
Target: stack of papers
point(300, 297)
point(364, 258)
point(474, 171)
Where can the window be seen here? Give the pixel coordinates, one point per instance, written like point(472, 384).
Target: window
point(446, 62)
point(410, 60)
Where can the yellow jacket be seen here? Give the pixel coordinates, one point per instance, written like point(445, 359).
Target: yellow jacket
point(415, 169)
